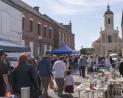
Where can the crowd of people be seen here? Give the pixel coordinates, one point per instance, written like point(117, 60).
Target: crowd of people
point(38, 74)
point(93, 63)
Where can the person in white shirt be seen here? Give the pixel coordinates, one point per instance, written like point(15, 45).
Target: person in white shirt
point(60, 69)
point(69, 83)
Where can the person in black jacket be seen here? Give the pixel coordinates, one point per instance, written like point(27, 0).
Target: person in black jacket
point(24, 76)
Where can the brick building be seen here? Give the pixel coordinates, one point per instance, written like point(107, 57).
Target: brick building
point(40, 32)
point(64, 34)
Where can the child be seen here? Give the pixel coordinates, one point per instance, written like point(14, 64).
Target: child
point(69, 83)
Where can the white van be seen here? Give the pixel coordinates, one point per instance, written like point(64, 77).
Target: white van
point(115, 58)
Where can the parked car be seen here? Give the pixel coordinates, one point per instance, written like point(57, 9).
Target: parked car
point(114, 56)
point(115, 59)
point(13, 58)
point(13, 61)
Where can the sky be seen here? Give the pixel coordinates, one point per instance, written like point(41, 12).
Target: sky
point(87, 16)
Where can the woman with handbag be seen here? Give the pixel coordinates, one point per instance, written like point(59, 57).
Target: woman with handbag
point(4, 83)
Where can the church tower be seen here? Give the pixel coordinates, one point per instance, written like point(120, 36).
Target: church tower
point(109, 40)
point(109, 20)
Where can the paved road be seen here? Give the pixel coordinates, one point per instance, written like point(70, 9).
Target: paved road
point(77, 81)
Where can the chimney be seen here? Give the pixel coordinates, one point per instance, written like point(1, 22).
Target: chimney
point(36, 8)
point(70, 26)
point(70, 23)
point(61, 23)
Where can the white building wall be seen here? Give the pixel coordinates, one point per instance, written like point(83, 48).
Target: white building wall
point(10, 23)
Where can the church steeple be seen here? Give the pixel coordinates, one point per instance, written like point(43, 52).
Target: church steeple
point(108, 7)
point(109, 19)
point(108, 10)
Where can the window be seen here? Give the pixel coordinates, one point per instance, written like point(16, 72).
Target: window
point(67, 39)
point(109, 39)
point(23, 23)
point(50, 33)
point(63, 37)
point(109, 21)
point(103, 38)
point(45, 31)
point(39, 27)
point(31, 25)
point(60, 36)
point(48, 47)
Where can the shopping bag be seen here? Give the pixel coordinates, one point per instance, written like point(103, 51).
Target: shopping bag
point(53, 84)
point(7, 94)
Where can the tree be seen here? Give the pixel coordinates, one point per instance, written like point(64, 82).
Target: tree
point(83, 51)
point(87, 51)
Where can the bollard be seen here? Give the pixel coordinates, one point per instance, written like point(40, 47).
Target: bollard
point(25, 92)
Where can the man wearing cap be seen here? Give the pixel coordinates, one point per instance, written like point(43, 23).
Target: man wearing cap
point(3, 75)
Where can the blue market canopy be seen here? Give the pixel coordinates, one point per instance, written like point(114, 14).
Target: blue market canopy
point(10, 47)
point(64, 50)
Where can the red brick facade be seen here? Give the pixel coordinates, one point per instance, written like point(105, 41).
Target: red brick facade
point(45, 26)
point(65, 37)
point(41, 32)
point(62, 34)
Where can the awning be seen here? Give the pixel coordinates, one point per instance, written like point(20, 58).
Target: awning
point(11, 47)
point(64, 50)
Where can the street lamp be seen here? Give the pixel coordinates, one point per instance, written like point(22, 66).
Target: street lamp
point(40, 38)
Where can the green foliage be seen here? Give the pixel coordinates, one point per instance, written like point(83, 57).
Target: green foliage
point(87, 51)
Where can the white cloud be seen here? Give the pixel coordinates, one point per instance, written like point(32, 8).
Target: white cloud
point(67, 7)
point(73, 2)
point(72, 7)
